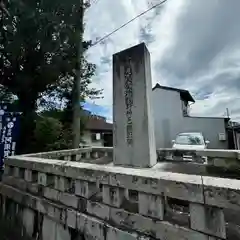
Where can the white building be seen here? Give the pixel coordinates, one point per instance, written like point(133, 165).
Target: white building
point(171, 116)
point(97, 132)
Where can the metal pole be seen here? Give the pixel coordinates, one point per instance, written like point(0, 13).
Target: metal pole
point(233, 132)
point(76, 91)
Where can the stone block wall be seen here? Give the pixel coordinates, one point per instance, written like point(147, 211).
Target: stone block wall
point(228, 159)
point(71, 200)
point(96, 155)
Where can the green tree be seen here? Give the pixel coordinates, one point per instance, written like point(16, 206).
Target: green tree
point(50, 135)
point(38, 41)
point(53, 130)
point(6, 96)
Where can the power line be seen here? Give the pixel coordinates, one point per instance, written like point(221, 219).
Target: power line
point(125, 24)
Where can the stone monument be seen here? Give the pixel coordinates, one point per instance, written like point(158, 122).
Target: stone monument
point(133, 133)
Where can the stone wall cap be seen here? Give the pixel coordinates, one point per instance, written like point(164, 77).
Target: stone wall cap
point(217, 153)
point(221, 182)
point(146, 173)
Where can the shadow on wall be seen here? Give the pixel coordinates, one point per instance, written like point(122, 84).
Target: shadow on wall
point(1, 174)
point(12, 230)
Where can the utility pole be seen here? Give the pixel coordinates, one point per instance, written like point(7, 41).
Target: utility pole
point(77, 84)
point(233, 132)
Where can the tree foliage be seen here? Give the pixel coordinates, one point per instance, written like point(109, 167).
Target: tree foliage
point(52, 131)
point(50, 135)
point(38, 56)
point(39, 49)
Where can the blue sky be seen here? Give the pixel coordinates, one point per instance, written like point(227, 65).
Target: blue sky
point(104, 111)
point(194, 44)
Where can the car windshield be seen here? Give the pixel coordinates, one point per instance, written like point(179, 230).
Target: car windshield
point(189, 139)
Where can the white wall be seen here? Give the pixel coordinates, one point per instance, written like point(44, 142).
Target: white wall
point(169, 121)
point(166, 112)
point(87, 137)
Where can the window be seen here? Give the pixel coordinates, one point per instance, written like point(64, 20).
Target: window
point(185, 108)
point(96, 136)
point(189, 139)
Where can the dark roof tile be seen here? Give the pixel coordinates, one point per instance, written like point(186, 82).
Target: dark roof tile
point(96, 123)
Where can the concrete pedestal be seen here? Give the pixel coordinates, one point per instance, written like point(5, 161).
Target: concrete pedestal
point(133, 136)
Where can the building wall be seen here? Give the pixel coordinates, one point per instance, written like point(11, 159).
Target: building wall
point(37, 208)
point(87, 137)
point(210, 127)
point(169, 121)
point(166, 112)
point(238, 140)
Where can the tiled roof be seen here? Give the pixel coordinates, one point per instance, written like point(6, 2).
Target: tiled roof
point(98, 123)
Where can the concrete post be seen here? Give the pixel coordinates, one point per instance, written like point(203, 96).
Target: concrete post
point(134, 140)
point(28, 220)
point(151, 205)
point(113, 195)
point(28, 175)
point(208, 219)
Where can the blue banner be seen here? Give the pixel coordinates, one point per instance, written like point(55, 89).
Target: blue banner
point(9, 131)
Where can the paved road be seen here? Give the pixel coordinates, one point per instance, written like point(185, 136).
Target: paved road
point(196, 169)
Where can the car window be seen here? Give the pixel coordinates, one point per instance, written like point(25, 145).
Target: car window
point(189, 139)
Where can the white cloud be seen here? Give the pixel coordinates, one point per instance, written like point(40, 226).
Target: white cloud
point(193, 45)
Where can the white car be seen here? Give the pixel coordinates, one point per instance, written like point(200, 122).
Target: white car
point(190, 141)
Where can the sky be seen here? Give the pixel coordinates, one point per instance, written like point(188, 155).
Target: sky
point(194, 45)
